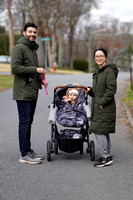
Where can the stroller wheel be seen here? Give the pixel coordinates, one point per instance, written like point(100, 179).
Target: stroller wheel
point(56, 147)
point(92, 150)
point(48, 150)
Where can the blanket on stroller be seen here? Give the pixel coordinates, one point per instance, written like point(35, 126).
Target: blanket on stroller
point(68, 115)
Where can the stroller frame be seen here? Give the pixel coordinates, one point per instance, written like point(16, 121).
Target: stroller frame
point(53, 145)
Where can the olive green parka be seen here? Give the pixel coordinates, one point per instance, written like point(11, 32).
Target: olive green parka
point(24, 65)
point(102, 92)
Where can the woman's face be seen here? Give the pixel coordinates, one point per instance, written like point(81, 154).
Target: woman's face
point(100, 58)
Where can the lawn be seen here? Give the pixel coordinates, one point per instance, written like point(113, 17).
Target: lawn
point(6, 81)
point(4, 67)
point(128, 99)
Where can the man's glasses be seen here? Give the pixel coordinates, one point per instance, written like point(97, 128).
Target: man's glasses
point(100, 56)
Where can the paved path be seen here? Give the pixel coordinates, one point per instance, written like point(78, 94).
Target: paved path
point(67, 176)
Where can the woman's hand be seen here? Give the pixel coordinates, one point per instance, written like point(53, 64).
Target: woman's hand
point(88, 89)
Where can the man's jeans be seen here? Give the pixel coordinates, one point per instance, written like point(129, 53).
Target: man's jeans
point(26, 110)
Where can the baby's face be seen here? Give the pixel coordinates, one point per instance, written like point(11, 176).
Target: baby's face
point(72, 97)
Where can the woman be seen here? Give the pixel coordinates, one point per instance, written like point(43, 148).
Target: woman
point(103, 105)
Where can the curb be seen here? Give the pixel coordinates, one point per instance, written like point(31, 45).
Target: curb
point(129, 115)
point(130, 118)
point(50, 70)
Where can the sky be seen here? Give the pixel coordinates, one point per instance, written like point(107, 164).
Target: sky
point(120, 9)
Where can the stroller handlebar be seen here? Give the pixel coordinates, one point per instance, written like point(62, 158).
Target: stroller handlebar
point(71, 86)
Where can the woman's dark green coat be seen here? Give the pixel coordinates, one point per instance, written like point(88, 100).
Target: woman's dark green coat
point(24, 65)
point(103, 91)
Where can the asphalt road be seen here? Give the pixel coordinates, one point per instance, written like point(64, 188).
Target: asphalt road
point(67, 176)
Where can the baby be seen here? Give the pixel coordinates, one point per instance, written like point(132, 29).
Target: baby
point(71, 96)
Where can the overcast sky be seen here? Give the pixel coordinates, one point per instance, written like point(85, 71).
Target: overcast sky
point(121, 9)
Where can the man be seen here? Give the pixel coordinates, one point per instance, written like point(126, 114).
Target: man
point(28, 78)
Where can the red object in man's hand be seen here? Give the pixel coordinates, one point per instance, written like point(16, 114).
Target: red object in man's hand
point(46, 91)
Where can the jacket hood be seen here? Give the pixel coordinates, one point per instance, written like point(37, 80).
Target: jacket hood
point(31, 44)
point(112, 66)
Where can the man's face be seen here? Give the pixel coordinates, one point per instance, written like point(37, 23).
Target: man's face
point(30, 33)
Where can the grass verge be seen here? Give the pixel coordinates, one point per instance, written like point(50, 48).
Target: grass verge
point(128, 99)
point(6, 81)
point(60, 70)
point(5, 67)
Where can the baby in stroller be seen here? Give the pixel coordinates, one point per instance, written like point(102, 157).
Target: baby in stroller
point(70, 105)
point(71, 113)
point(71, 109)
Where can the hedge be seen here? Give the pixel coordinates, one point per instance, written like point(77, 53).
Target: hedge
point(80, 64)
point(4, 43)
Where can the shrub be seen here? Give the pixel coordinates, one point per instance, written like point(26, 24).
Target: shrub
point(4, 43)
point(80, 64)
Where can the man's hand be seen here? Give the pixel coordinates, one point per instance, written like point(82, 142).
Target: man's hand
point(45, 82)
point(101, 107)
point(40, 70)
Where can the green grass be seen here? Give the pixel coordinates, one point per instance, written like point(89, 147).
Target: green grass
point(63, 68)
point(66, 69)
point(128, 99)
point(6, 81)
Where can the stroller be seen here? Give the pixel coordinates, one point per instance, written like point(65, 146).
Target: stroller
point(75, 122)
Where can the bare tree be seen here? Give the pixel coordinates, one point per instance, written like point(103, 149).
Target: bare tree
point(11, 34)
point(55, 19)
point(106, 34)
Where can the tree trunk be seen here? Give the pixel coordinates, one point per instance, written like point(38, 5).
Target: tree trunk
point(60, 49)
point(53, 49)
point(70, 59)
point(10, 22)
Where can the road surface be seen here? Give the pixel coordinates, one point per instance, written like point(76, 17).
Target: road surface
point(67, 176)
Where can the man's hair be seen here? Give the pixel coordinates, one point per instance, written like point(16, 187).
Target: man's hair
point(30, 25)
point(101, 49)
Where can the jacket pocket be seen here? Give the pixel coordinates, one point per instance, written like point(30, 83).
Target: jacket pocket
point(30, 91)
